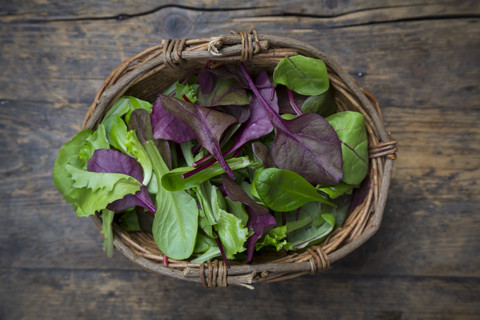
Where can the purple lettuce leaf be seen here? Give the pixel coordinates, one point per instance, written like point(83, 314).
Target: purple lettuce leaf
point(260, 220)
point(259, 124)
point(207, 124)
point(112, 161)
point(307, 145)
point(167, 126)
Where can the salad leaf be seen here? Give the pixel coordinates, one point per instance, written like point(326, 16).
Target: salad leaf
point(167, 125)
point(112, 161)
point(302, 74)
point(92, 191)
point(334, 192)
point(174, 181)
point(207, 124)
point(206, 81)
point(315, 232)
point(283, 190)
point(125, 106)
point(259, 220)
point(140, 123)
point(224, 92)
point(350, 127)
point(127, 142)
point(175, 224)
point(97, 140)
point(206, 247)
point(107, 219)
point(88, 191)
point(229, 228)
point(186, 92)
point(129, 221)
point(259, 124)
point(322, 104)
point(313, 147)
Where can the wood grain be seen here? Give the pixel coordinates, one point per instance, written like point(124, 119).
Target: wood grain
point(420, 59)
point(91, 294)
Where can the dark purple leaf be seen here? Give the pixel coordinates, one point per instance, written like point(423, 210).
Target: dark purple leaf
point(167, 126)
point(259, 124)
point(260, 220)
point(208, 125)
point(242, 113)
point(360, 194)
point(206, 81)
point(262, 152)
point(230, 71)
point(112, 161)
point(307, 145)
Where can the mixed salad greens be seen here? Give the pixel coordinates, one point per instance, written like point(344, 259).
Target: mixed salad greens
point(223, 164)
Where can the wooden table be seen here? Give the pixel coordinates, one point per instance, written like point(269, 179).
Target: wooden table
point(420, 59)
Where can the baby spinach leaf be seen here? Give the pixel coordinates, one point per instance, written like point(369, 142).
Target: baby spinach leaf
point(174, 181)
point(207, 124)
point(112, 161)
point(129, 221)
point(334, 192)
point(175, 224)
point(206, 247)
point(322, 104)
point(313, 233)
point(259, 220)
point(307, 144)
point(350, 128)
point(283, 190)
point(302, 74)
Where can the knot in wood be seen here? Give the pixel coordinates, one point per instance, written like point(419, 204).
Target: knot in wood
point(172, 52)
point(213, 274)
point(319, 260)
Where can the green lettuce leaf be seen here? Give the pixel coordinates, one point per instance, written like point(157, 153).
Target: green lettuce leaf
point(92, 191)
point(107, 219)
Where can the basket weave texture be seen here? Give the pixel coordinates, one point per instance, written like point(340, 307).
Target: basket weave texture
point(153, 70)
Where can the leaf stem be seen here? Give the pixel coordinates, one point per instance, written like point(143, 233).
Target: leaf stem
point(292, 102)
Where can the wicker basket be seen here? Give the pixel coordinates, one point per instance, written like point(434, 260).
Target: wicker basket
point(153, 70)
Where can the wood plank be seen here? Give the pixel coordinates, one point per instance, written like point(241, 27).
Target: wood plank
point(92, 294)
point(121, 10)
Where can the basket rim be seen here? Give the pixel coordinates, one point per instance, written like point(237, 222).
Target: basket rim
point(155, 58)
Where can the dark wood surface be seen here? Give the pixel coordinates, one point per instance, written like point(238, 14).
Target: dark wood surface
point(421, 59)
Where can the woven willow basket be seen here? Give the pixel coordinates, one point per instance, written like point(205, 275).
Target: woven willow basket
point(152, 71)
